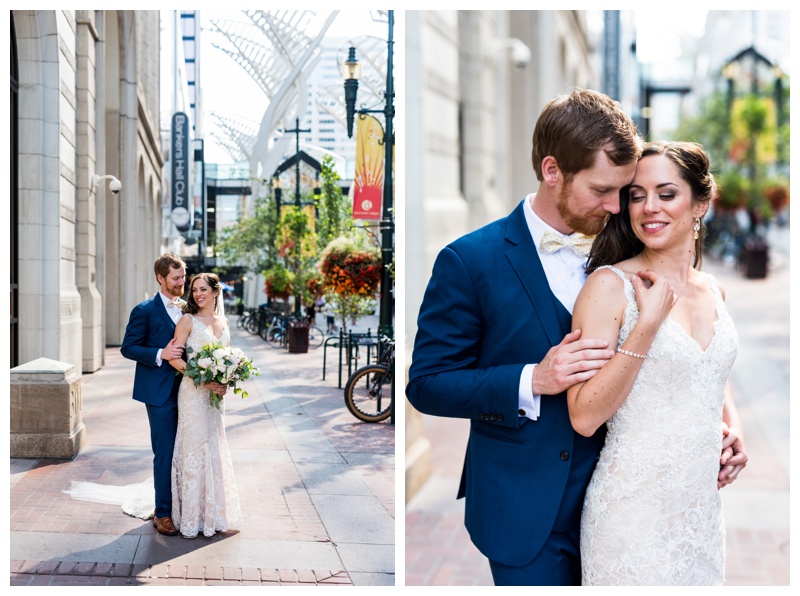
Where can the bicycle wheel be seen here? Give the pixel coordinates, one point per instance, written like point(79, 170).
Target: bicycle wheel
point(275, 336)
point(315, 336)
point(263, 330)
point(252, 325)
point(368, 393)
point(241, 322)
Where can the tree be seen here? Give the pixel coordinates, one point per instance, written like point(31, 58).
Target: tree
point(253, 241)
point(711, 128)
point(747, 138)
point(335, 212)
point(298, 249)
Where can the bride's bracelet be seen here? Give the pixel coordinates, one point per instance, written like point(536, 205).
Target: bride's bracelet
point(633, 354)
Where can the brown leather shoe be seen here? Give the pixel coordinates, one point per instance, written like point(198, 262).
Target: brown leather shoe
point(164, 525)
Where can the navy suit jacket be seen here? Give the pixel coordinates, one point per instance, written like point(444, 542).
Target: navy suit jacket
point(149, 329)
point(488, 310)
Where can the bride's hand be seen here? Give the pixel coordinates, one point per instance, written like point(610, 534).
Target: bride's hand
point(656, 301)
point(217, 388)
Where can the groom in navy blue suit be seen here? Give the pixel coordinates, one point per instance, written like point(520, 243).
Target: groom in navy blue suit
point(149, 341)
point(494, 345)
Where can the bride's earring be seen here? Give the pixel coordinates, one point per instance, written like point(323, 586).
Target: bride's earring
point(696, 228)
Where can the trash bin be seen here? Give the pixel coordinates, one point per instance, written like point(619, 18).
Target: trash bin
point(298, 337)
point(754, 257)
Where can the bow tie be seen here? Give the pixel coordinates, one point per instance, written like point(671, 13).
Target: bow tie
point(177, 303)
point(580, 244)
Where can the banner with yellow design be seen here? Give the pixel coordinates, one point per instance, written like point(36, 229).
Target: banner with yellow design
point(368, 183)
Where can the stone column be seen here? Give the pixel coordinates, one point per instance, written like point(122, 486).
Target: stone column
point(46, 417)
point(86, 210)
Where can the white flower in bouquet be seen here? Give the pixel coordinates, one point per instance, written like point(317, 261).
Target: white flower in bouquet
point(217, 363)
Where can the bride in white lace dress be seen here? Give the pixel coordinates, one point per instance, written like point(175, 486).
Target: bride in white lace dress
point(652, 513)
point(204, 495)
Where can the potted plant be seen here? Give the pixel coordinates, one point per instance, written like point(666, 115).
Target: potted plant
point(733, 190)
point(278, 282)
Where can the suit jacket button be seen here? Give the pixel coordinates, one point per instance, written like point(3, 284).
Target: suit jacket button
point(499, 417)
point(482, 416)
point(564, 456)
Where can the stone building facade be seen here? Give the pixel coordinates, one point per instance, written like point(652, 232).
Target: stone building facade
point(84, 103)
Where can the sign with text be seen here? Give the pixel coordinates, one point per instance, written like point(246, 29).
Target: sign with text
point(180, 185)
point(368, 183)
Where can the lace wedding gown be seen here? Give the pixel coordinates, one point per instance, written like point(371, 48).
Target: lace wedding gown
point(652, 513)
point(204, 495)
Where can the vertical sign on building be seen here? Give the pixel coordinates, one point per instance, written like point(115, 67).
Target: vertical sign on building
point(368, 182)
point(611, 41)
point(180, 184)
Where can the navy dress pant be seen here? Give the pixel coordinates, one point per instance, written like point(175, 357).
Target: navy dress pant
point(163, 427)
point(557, 564)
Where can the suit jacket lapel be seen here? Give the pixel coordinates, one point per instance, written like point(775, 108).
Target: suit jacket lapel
point(525, 260)
point(159, 304)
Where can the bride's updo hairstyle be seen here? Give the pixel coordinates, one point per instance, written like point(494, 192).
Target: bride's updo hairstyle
point(212, 279)
point(617, 242)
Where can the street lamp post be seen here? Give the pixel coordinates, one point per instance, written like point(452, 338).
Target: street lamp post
point(297, 130)
point(276, 186)
point(351, 71)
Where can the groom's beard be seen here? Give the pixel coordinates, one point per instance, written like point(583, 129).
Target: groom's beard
point(588, 224)
point(175, 291)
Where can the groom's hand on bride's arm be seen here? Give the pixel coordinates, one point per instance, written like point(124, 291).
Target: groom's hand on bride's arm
point(172, 350)
point(572, 361)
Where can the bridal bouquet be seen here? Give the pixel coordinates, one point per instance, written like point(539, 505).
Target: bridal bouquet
point(225, 365)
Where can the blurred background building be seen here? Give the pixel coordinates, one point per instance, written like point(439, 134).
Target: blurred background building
point(477, 80)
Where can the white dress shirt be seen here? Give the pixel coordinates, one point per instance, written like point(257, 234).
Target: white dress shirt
point(566, 276)
point(174, 313)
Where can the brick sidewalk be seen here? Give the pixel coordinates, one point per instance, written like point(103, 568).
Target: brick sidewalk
point(70, 573)
point(316, 488)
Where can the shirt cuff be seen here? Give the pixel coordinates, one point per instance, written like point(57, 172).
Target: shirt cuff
point(158, 357)
point(529, 403)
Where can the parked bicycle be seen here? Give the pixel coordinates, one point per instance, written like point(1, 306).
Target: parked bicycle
point(243, 319)
point(277, 333)
point(316, 336)
point(368, 392)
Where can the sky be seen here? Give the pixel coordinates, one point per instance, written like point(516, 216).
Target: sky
point(228, 88)
point(659, 32)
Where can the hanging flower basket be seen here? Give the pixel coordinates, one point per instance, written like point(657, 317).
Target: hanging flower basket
point(315, 287)
point(350, 271)
point(278, 282)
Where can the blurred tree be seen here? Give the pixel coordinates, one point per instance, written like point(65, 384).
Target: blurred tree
point(253, 241)
point(335, 212)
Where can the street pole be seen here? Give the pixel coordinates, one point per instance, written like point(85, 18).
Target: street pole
point(385, 326)
point(297, 130)
point(351, 71)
